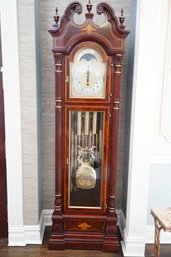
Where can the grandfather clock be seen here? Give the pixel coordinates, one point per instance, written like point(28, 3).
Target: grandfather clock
point(88, 72)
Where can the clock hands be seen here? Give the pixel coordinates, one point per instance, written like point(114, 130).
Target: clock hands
point(88, 75)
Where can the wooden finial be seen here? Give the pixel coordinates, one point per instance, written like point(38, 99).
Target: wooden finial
point(122, 19)
point(89, 6)
point(56, 18)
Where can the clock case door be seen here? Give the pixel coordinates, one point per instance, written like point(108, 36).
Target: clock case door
point(86, 228)
point(87, 159)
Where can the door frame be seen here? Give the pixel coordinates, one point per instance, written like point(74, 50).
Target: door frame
point(13, 132)
point(3, 182)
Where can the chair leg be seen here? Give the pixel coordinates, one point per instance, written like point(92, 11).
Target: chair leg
point(156, 239)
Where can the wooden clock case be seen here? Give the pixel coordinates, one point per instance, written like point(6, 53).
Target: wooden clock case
point(87, 228)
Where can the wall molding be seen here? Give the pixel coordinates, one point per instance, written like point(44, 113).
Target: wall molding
point(30, 234)
point(166, 104)
point(131, 246)
point(47, 217)
point(13, 133)
point(159, 159)
point(16, 236)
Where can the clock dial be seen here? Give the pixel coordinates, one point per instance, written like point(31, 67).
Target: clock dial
point(88, 75)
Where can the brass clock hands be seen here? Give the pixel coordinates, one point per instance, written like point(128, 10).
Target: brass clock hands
point(88, 75)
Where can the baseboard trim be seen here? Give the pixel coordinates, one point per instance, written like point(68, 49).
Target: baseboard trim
point(33, 234)
point(16, 237)
point(47, 217)
point(121, 221)
point(30, 234)
point(133, 247)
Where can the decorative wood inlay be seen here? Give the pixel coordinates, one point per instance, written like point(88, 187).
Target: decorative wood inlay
point(57, 54)
point(112, 196)
point(116, 105)
point(59, 195)
point(58, 67)
point(89, 29)
point(58, 208)
point(58, 62)
point(84, 226)
point(59, 103)
point(111, 209)
point(58, 202)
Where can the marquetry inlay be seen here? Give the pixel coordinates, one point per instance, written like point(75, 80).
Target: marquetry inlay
point(84, 226)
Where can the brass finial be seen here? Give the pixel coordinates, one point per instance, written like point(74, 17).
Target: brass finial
point(122, 19)
point(89, 6)
point(56, 18)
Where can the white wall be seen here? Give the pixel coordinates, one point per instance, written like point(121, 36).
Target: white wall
point(160, 159)
point(145, 96)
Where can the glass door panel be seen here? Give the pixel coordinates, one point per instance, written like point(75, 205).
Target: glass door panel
point(85, 160)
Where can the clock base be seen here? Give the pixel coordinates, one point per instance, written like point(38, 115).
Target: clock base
point(84, 242)
point(84, 233)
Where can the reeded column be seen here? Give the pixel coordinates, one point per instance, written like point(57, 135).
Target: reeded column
point(57, 226)
point(58, 182)
point(115, 124)
point(111, 241)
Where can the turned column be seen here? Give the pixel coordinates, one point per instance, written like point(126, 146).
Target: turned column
point(114, 138)
point(58, 182)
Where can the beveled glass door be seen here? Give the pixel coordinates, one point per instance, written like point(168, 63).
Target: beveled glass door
point(86, 158)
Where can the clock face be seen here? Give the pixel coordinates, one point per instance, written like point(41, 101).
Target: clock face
point(87, 75)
